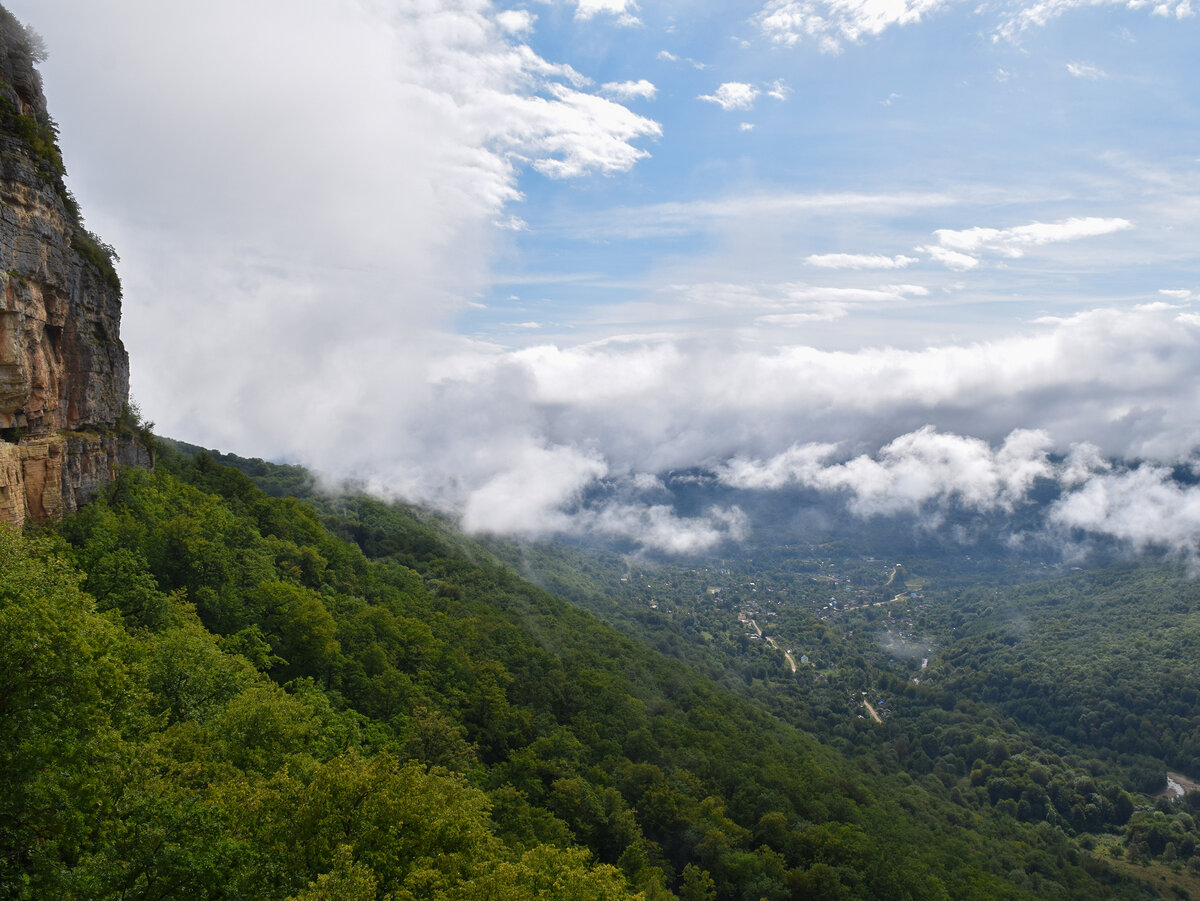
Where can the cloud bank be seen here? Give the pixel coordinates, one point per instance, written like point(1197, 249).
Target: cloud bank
point(888, 431)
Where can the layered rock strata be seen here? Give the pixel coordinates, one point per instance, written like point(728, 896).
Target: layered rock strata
point(64, 373)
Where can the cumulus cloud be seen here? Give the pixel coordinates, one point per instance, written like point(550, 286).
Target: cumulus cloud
point(573, 132)
point(829, 22)
point(733, 95)
point(622, 10)
point(630, 90)
point(908, 472)
point(1144, 507)
point(859, 261)
point(960, 249)
point(516, 21)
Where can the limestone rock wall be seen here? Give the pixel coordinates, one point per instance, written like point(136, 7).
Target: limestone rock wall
point(64, 373)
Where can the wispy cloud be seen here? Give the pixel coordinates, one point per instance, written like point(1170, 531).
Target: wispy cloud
point(859, 261)
point(1086, 71)
point(685, 217)
point(778, 90)
point(832, 23)
point(961, 248)
point(1037, 14)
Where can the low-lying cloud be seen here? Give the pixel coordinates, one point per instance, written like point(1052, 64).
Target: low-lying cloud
point(577, 437)
point(908, 472)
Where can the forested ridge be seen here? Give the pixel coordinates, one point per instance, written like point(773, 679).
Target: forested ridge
point(212, 692)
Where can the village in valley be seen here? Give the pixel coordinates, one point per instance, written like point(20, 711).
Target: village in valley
point(806, 621)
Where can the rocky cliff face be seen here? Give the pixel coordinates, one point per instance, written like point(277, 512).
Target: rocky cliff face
point(64, 374)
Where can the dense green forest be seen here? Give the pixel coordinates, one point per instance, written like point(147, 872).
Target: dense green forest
point(214, 690)
point(1025, 692)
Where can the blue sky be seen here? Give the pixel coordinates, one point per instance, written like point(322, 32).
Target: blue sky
point(492, 257)
point(1059, 121)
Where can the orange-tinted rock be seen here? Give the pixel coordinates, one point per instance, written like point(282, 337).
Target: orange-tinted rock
point(64, 373)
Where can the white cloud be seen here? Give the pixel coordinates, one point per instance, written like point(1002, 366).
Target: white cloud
point(659, 528)
point(1178, 293)
point(1086, 70)
point(733, 95)
point(859, 261)
point(960, 249)
point(667, 56)
point(778, 90)
point(675, 217)
point(516, 21)
point(923, 471)
point(623, 10)
point(817, 312)
point(909, 472)
point(573, 133)
point(746, 126)
point(526, 497)
point(959, 262)
point(1143, 506)
point(791, 303)
point(1038, 14)
point(829, 22)
point(1121, 379)
point(630, 90)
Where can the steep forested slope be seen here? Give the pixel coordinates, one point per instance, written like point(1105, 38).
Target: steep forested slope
point(210, 693)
